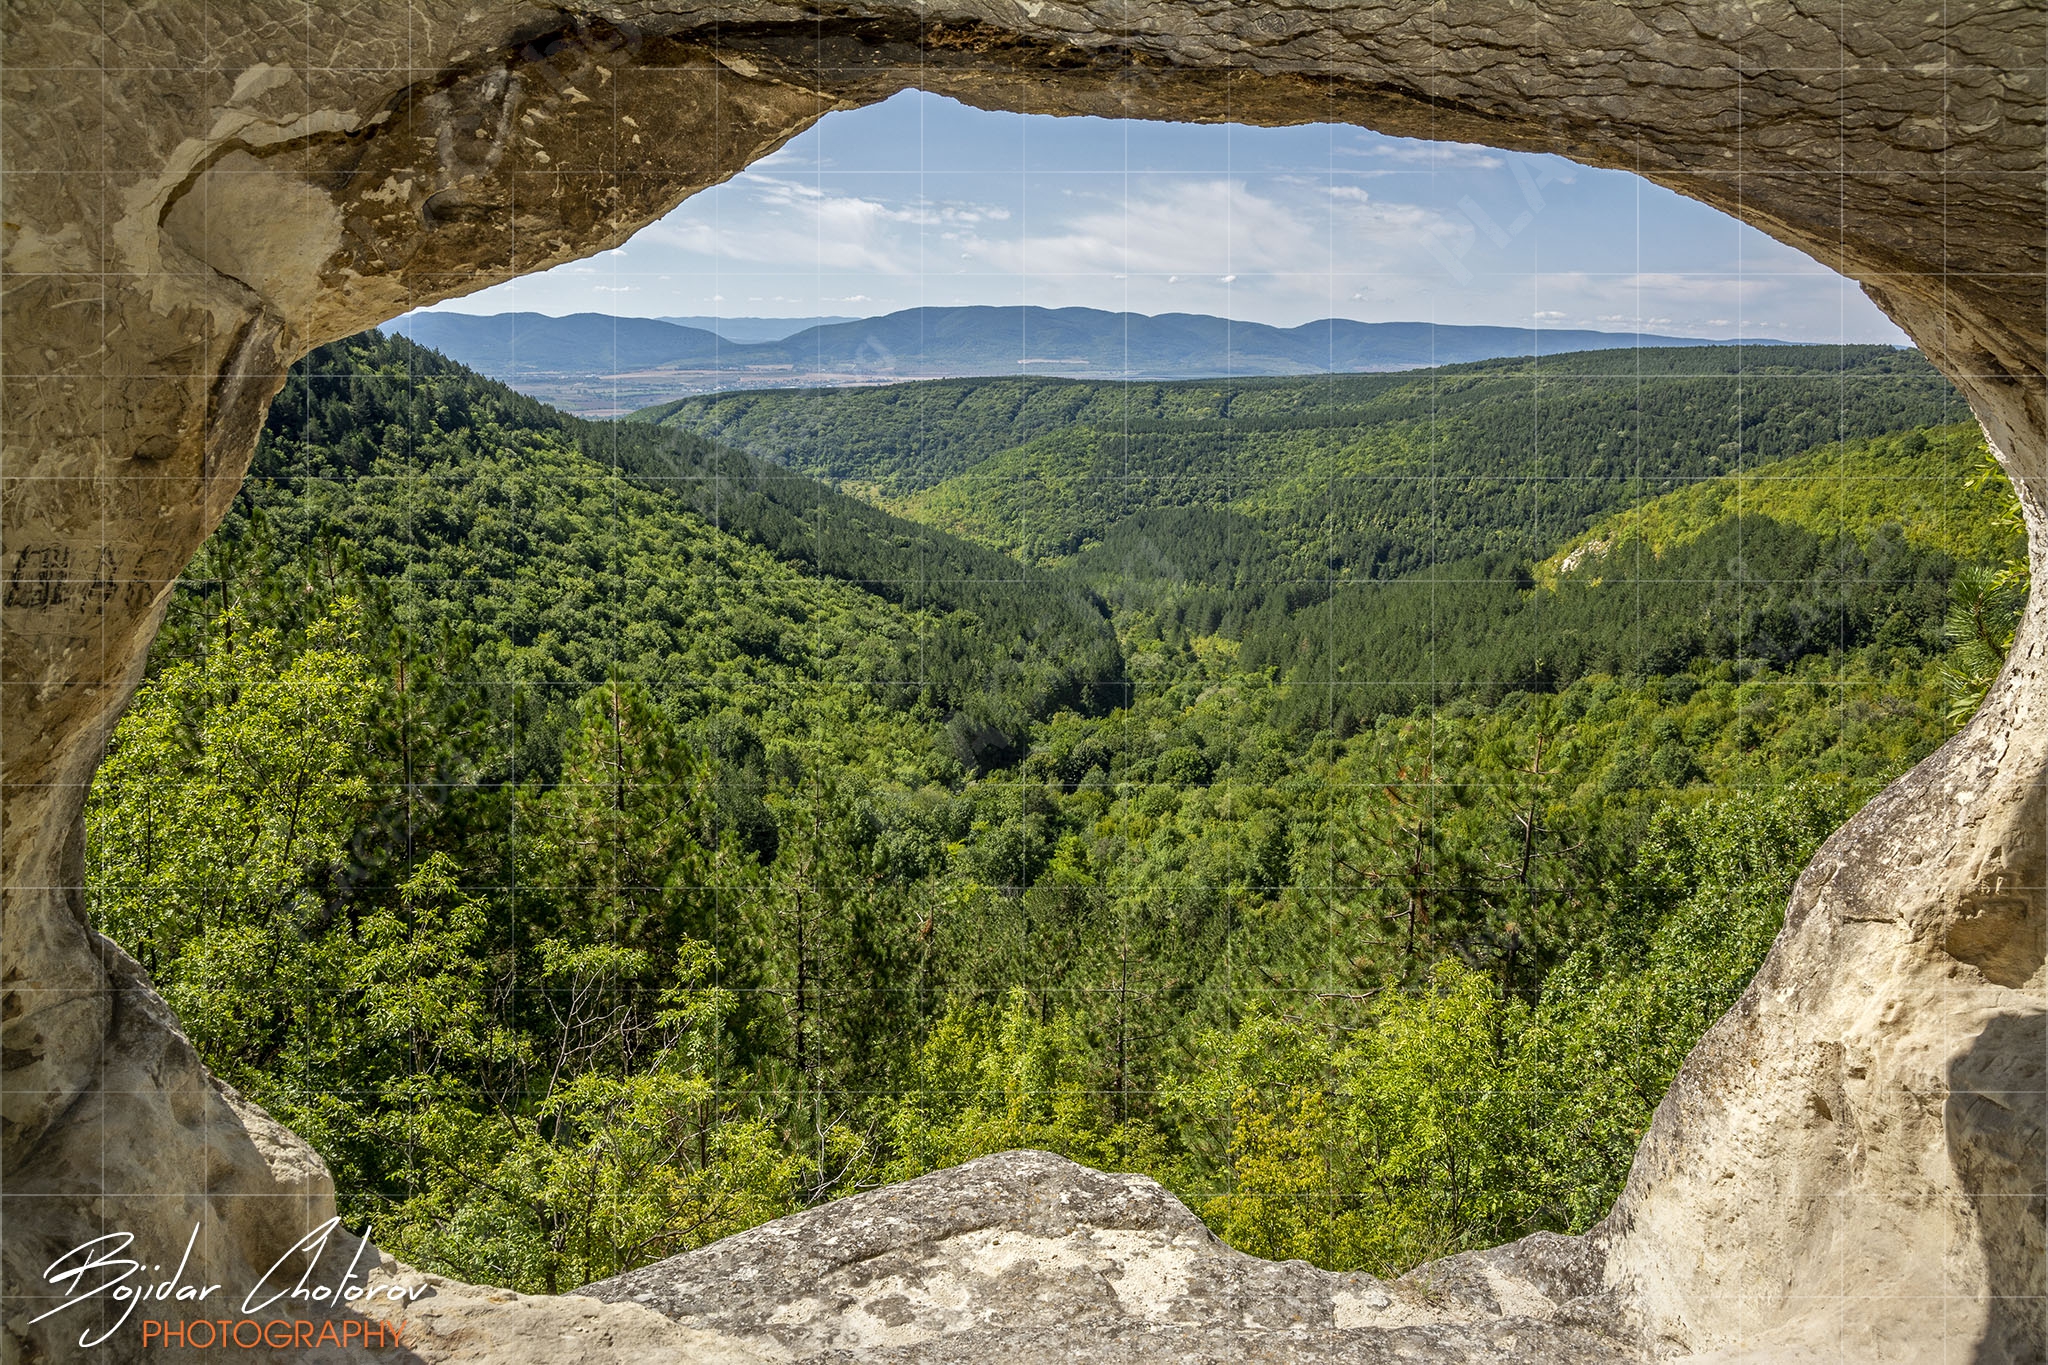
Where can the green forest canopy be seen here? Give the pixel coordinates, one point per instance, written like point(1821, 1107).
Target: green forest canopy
point(1339, 476)
point(598, 841)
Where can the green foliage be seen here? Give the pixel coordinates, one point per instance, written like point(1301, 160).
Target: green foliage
point(218, 821)
point(991, 1079)
point(1365, 533)
point(1617, 1019)
point(904, 438)
point(1929, 484)
point(1458, 1116)
point(537, 1137)
point(1433, 1104)
point(1986, 602)
point(1333, 477)
point(623, 847)
point(1983, 616)
point(589, 873)
point(612, 1166)
point(1750, 591)
point(576, 552)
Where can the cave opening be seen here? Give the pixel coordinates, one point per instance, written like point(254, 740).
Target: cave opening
point(412, 539)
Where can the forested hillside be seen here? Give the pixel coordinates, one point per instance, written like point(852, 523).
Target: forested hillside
point(598, 841)
point(1345, 476)
point(580, 552)
point(1852, 557)
point(1376, 535)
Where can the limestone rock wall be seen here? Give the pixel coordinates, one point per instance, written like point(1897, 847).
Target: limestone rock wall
point(195, 194)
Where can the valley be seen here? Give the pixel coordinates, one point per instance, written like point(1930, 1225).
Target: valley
point(1344, 798)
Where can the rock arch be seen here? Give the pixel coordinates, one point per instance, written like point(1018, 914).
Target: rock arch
point(195, 195)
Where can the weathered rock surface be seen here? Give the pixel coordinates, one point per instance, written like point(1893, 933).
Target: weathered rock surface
point(195, 194)
point(1027, 1257)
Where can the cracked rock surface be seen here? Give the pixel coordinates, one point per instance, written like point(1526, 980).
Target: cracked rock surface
point(195, 194)
point(1026, 1256)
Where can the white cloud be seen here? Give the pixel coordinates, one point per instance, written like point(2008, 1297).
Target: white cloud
point(1284, 228)
point(1407, 152)
point(1281, 242)
point(1796, 306)
point(790, 224)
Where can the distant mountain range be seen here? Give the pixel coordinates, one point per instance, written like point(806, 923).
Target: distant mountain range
point(756, 329)
point(599, 365)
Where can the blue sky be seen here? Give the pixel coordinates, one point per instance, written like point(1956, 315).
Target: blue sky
point(921, 201)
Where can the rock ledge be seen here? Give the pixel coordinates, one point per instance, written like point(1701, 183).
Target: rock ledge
point(1028, 1257)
